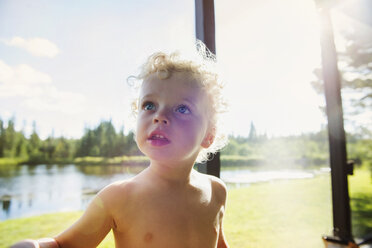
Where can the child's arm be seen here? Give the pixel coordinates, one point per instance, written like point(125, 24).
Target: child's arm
point(221, 239)
point(88, 231)
point(221, 191)
point(92, 227)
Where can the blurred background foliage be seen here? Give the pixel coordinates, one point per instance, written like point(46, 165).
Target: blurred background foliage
point(105, 145)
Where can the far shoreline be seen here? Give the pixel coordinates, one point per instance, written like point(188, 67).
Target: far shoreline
point(226, 161)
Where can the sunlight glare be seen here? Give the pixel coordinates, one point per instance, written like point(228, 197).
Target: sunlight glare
point(268, 52)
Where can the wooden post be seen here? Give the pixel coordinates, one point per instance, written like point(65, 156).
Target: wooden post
point(205, 24)
point(205, 31)
point(336, 133)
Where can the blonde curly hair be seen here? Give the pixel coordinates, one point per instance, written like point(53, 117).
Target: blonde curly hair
point(201, 68)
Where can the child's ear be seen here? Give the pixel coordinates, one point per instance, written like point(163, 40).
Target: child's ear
point(208, 139)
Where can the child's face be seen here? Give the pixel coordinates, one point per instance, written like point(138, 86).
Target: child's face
point(172, 124)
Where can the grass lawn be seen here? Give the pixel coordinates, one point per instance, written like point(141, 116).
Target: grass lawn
point(288, 213)
point(291, 213)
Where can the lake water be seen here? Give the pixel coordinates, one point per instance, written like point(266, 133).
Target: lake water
point(31, 190)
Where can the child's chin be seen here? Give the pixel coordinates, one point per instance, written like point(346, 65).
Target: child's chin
point(170, 158)
point(157, 156)
point(163, 157)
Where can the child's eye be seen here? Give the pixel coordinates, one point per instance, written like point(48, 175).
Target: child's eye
point(148, 106)
point(183, 109)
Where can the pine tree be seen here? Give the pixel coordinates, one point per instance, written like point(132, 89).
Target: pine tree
point(252, 133)
point(2, 138)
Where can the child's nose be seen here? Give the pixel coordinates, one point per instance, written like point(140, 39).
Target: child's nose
point(161, 117)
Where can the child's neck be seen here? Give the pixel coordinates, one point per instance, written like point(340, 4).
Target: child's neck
point(172, 174)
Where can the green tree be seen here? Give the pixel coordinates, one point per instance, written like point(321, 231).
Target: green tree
point(355, 64)
point(63, 149)
point(358, 70)
point(252, 133)
point(231, 148)
point(9, 144)
point(2, 138)
point(48, 148)
point(120, 144)
point(107, 139)
point(21, 146)
point(131, 148)
point(34, 145)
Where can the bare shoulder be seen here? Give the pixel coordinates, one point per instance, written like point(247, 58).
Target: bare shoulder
point(117, 192)
point(218, 187)
point(115, 187)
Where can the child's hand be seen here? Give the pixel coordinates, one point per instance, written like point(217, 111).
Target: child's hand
point(41, 243)
point(27, 243)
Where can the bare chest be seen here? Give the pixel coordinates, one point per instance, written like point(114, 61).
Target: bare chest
point(169, 221)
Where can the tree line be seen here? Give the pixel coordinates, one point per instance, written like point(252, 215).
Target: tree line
point(103, 141)
point(307, 149)
point(100, 141)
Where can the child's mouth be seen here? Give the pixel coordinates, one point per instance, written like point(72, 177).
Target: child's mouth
point(158, 140)
point(158, 137)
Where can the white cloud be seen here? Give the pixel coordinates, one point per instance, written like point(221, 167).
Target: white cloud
point(22, 80)
point(36, 90)
point(54, 100)
point(36, 46)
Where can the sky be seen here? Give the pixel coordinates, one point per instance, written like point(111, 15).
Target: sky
point(64, 64)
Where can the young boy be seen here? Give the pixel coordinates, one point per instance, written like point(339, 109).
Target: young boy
point(168, 204)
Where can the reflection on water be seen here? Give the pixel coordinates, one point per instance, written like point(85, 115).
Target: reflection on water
point(6, 201)
point(32, 190)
